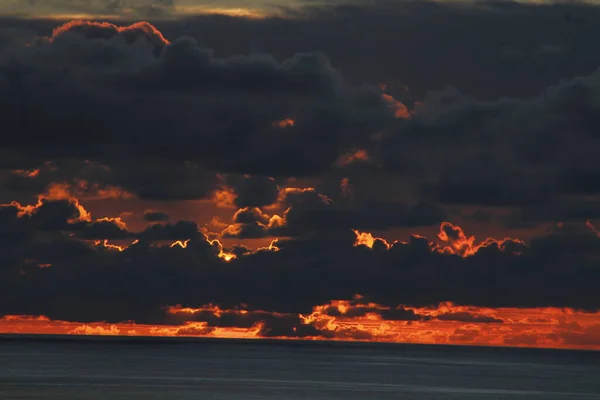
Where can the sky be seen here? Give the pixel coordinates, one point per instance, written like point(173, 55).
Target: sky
point(158, 9)
point(398, 171)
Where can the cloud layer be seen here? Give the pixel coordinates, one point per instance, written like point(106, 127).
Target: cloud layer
point(310, 188)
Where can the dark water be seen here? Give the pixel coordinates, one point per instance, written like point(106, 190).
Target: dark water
point(114, 369)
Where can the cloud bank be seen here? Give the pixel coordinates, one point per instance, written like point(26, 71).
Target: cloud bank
point(324, 173)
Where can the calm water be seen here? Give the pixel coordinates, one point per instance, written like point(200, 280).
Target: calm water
point(111, 370)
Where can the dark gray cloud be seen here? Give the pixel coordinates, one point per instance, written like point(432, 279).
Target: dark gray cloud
point(507, 152)
point(571, 208)
point(272, 324)
point(181, 230)
point(468, 317)
point(127, 112)
point(253, 191)
point(188, 112)
point(557, 269)
point(155, 216)
point(308, 212)
point(436, 151)
point(103, 229)
point(426, 45)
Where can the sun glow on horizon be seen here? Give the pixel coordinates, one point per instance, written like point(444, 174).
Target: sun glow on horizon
point(354, 320)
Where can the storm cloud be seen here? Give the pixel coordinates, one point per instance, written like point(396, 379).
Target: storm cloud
point(304, 163)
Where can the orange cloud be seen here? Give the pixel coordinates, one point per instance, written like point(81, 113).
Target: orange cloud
point(101, 330)
point(360, 320)
point(346, 187)
point(139, 28)
point(367, 239)
point(225, 255)
point(356, 156)
point(105, 245)
point(400, 110)
point(454, 241)
point(224, 198)
point(285, 192)
point(54, 192)
point(271, 247)
point(284, 123)
point(114, 220)
point(30, 173)
point(86, 190)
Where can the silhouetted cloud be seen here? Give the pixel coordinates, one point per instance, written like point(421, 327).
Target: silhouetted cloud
point(282, 146)
point(155, 216)
point(144, 277)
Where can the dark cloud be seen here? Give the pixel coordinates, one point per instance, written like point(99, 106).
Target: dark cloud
point(253, 191)
point(478, 216)
point(509, 152)
point(371, 216)
point(308, 212)
point(558, 269)
point(357, 309)
point(468, 317)
point(80, 179)
point(181, 230)
point(269, 324)
point(47, 215)
point(237, 131)
point(560, 210)
point(401, 314)
point(545, 44)
point(184, 104)
point(69, 216)
point(248, 215)
point(132, 112)
point(54, 214)
point(164, 181)
point(107, 229)
point(155, 216)
point(475, 58)
point(189, 113)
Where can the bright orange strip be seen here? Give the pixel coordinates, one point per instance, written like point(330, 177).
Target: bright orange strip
point(445, 324)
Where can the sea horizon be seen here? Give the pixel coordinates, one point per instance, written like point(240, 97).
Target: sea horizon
point(146, 339)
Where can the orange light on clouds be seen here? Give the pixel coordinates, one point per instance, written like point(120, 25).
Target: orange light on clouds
point(85, 190)
point(182, 244)
point(456, 242)
point(114, 220)
point(367, 239)
point(358, 320)
point(359, 155)
point(453, 241)
point(54, 192)
point(272, 246)
point(104, 243)
point(400, 110)
point(143, 27)
point(30, 173)
point(224, 198)
point(240, 12)
point(284, 123)
point(225, 255)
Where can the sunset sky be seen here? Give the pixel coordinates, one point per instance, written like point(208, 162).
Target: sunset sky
point(398, 171)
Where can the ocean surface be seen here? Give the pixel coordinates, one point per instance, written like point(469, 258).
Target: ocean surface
point(65, 369)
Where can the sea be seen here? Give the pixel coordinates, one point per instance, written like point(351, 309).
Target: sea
point(92, 368)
